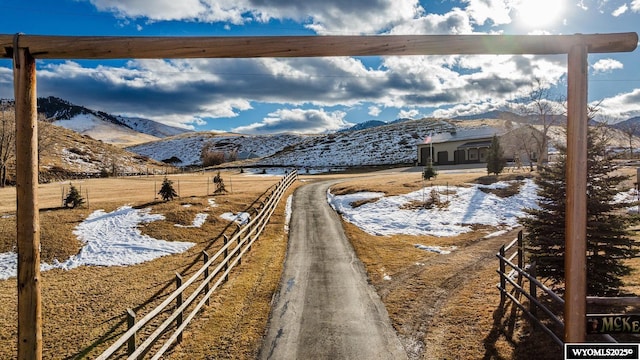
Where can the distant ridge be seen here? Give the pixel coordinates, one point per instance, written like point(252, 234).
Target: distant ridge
point(364, 125)
point(494, 114)
point(56, 109)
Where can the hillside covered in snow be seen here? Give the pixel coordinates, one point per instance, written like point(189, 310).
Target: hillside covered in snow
point(389, 144)
point(118, 130)
point(186, 148)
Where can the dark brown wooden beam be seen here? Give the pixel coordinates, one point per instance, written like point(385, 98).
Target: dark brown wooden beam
point(109, 47)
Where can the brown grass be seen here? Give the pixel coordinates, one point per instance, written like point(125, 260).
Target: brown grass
point(442, 306)
point(446, 306)
point(83, 308)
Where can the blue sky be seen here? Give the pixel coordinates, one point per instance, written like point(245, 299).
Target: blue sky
point(310, 95)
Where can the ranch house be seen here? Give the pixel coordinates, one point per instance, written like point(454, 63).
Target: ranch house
point(467, 145)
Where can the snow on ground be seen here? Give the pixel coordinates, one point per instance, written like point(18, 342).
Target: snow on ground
point(197, 222)
point(8, 265)
point(110, 239)
point(241, 217)
point(212, 202)
point(287, 213)
point(436, 249)
point(467, 206)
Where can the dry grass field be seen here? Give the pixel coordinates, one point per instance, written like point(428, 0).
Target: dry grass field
point(83, 308)
point(442, 306)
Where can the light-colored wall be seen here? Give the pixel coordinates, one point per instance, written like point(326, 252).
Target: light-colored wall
point(516, 144)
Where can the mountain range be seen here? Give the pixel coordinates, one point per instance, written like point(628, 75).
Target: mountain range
point(370, 143)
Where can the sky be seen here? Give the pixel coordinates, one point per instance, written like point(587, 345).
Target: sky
point(319, 95)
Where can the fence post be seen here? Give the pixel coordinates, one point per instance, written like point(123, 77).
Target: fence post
point(239, 250)
point(503, 281)
point(131, 321)
point(226, 255)
point(250, 228)
point(178, 304)
point(533, 309)
point(205, 256)
point(520, 256)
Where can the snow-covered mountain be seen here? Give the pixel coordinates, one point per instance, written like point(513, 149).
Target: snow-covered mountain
point(391, 144)
point(100, 125)
point(151, 127)
point(186, 148)
point(382, 145)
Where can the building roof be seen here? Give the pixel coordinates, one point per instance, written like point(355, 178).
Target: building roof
point(475, 144)
point(462, 134)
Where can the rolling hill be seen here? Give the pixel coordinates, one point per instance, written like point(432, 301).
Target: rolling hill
point(118, 130)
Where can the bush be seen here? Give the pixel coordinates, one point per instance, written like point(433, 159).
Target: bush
point(74, 198)
point(429, 172)
point(209, 156)
point(167, 192)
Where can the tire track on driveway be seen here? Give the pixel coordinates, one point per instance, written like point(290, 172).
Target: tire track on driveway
point(325, 308)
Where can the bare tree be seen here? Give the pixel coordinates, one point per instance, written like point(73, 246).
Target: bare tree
point(7, 138)
point(631, 129)
point(546, 108)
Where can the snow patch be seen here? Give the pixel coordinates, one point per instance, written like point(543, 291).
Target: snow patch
point(436, 249)
point(467, 206)
point(497, 233)
point(241, 217)
point(197, 222)
point(110, 239)
point(287, 213)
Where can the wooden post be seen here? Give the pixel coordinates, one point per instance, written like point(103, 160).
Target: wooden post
point(28, 222)
point(520, 255)
point(533, 290)
point(205, 256)
point(131, 321)
point(178, 304)
point(226, 254)
point(576, 217)
point(503, 281)
point(239, 240)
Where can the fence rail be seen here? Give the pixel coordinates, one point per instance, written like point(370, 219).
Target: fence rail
point(224, 260)
point(515, 279)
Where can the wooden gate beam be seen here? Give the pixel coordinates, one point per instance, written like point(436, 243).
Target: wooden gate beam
point(575, 262)
point(114, 47)
point(28, 222)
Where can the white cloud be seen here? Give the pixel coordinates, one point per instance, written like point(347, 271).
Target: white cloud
point(456, 21)
point(582, 5)
point(621, 106)
point(467, 109)
point(154, 10)
point(299, 121)
point(496, 11)
point(635, 6)
point(374, 111)
point(408, 114)
point(621, 10)
point(607, 65)
point(324, 17)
